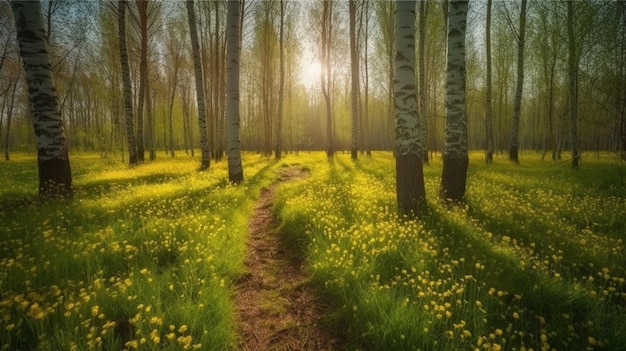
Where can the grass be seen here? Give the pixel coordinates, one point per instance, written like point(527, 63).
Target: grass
point(142, 258)
point(146, 257)
point(534, 259)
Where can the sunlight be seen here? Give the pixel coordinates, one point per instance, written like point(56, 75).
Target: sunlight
point(310, 72)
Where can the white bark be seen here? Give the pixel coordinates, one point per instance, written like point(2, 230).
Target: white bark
point(410, 190)
point(407, 122)
point(55, 178)
point(455, 157)
point(233, 51)
point(197, 65)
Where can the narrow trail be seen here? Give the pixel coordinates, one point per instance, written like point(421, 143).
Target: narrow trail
point(277, 310)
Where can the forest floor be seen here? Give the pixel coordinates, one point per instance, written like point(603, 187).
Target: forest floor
point(277, 308)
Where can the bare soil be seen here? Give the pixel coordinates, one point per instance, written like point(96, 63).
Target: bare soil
point(277, 309)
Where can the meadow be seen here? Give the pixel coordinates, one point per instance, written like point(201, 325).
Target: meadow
point(147, 257)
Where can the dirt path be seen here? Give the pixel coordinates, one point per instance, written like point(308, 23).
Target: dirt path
point(277, 310)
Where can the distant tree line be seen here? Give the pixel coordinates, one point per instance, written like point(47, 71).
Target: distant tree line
point(548, 76)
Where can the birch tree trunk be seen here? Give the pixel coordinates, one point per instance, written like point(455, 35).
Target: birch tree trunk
point(517, 107)
point(365, 126)
point(128, 97)
point(281, 86)
point(354, 75)
point(572, 70)
point(55, 176)
point(410, 190)
point(423, 7)
point(205, 162)
point(455, 158)
point(10, 108)
point(326, 73)
point(233, 53)
point(142, 9)
point(385, 14)
point(489, 95)
point(149, 136)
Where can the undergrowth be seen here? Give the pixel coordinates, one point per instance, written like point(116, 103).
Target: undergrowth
point(533, 260)
point(142, 258)
point(146, 257)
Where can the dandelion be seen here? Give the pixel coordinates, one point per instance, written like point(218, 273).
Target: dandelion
point(515, 315)
point(591, 340)
point(154, 336)
point(133, 344)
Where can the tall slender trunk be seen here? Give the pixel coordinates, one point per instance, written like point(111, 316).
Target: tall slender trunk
point(55, 176)
point(149, 136)
point(326, 74)
point(217, 87)
point(423, 7)
point(455, 157)
point(622, 93)
point(205, 162)
point(410, 189)
point(171, 109)
point(185, 110)
point(365, 127)
point(489, 94)
point(281, 87)
point(517, 106)
point(233, 54)
point(142, 7)
point(128, 97)
point(7, 141)
point(354, 75)
point(572, 70)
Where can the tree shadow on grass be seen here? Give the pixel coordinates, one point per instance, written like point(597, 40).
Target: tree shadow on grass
point(542, 295)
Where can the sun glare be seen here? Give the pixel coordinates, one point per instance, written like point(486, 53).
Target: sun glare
point(310, 73)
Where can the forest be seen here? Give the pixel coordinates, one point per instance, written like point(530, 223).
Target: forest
point(83, 35)
point(313, 175)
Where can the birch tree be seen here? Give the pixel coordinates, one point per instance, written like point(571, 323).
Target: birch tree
point(205, 162)
point(488, 93)
point(233, 55)
point(410, 190)
point(423, 7)
point(326, 72)
point(517, 107)
point(572, 74)
point(281, 80)
point(455, 157)
point(128, 98)
point(354, 77)
point(385, 13)
point(55, 176)
point(173, 51)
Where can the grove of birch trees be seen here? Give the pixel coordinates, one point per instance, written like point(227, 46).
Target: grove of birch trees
point(541, 76)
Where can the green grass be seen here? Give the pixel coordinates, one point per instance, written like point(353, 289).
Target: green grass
point(142, 257)
point(146, 257)
point(533, 259)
